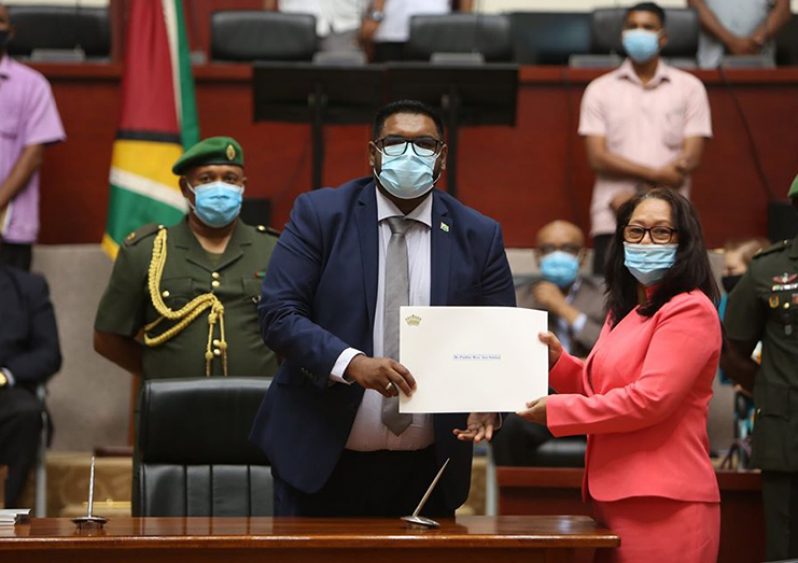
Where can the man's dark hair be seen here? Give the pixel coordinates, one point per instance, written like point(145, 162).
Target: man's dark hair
point(690, 271)
point(406, 106)
point(647, 7)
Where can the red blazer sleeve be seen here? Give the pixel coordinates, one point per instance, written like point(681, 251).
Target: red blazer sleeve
point(684, 341)
point(566, 375)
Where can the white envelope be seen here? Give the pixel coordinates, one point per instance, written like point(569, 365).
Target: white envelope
point(473, 359)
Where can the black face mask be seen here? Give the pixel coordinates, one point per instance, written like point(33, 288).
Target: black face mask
point(730, 281)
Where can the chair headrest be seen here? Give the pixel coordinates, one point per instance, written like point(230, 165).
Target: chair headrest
point(259, 35)
point(199, 421)
point(460, 33)
point(60, 27)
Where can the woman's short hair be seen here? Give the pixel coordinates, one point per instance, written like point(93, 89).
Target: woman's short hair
point(690, 271)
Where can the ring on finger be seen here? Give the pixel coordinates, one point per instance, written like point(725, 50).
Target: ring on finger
point(389, 386)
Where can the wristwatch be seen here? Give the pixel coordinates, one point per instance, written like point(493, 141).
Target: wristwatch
point(376, 15)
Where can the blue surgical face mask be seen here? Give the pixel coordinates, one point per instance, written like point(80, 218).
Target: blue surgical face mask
point(560, 268)
point(407, 176)
point(217, 204)
point(648, 263)
point(640, 44)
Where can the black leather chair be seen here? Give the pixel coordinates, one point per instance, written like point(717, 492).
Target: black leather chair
point(549, 38)
point(60, 28)
point(460, 33)
point(787, 43)
point(193, 456)
point(681, 24)
point(258, 35)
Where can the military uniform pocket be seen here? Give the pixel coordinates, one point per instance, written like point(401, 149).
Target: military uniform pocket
point(772, 429)
point(177, 292)
point(251, 288)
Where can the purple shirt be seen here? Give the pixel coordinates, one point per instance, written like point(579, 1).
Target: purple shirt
point(28, 116)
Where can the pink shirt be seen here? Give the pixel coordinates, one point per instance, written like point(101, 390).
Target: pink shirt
point(642, 398)
point(28, 116)
point(645, 124)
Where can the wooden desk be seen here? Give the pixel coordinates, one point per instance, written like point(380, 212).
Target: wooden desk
point(549, 490)
point(298, 540)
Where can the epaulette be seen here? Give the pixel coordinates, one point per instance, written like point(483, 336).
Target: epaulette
point(777, 247)
point(141, 233)
point(267, 230)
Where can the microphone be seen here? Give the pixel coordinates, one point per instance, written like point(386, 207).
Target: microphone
point(420, 521)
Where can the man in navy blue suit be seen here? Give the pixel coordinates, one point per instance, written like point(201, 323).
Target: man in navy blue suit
point(347, 258)
point(29, 355)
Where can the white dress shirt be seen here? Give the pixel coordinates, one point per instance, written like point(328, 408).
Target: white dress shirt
point(368, 432)
point(395, 27)
point(335, 16)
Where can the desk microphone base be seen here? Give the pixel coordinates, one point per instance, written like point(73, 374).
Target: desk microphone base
point(420, 522)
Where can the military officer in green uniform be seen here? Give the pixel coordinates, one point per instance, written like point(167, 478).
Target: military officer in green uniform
point(182, 301)
point(764, 306)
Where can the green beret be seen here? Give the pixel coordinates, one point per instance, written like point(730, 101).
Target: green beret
point(794, 188)
point(214, 150)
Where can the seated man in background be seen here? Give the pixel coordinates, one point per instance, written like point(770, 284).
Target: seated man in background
point(575, 304)
point(644, 125)
point(738, 27)
point(29, 355)
point(182, 301)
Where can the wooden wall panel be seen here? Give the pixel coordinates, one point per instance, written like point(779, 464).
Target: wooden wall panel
point(523, 176)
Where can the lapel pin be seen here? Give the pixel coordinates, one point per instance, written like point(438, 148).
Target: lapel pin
point(444, 227)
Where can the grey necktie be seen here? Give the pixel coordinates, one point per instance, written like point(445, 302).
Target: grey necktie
point(397, 293)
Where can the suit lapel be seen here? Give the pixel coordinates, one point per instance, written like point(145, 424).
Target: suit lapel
point(442, 233)
point(366, 221)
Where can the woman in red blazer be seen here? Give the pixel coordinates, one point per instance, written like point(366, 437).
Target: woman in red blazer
point(643, 393)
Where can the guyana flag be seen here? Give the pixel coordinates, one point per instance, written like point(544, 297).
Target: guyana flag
point(159, 121)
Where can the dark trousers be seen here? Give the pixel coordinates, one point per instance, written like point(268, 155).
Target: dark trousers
point(16, 255)
point(387, 51)
point(780, 504)
point(601, 246)
point(20, 430)
point(518, 441)
point(368, 484)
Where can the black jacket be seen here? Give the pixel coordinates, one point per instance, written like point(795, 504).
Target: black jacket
point(29, 346)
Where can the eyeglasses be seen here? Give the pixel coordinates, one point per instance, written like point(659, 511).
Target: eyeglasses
point(397, 146)
point(574, 249)
point(659, 234)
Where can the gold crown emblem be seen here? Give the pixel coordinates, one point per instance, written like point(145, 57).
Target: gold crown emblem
point(413, 320)
point(231, 152)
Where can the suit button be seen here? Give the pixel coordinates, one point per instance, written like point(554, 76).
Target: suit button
point(165, 293)
point(215, 283)
point(215, 275)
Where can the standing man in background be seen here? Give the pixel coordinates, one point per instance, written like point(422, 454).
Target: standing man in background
point(29, 121)
point(386, 24)
point(644, 125)
point(337, 21)
point(738, 27)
